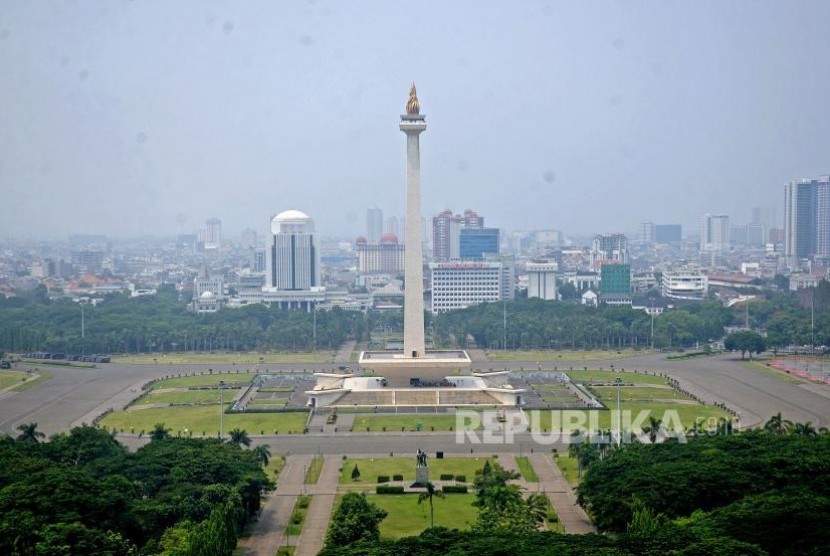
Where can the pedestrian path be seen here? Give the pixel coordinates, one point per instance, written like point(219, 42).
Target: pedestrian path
point(268, 533)
point(322, 503)
point(551, 481)
point(344, 354)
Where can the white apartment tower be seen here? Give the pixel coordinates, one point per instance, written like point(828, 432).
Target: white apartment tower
point(293, 260)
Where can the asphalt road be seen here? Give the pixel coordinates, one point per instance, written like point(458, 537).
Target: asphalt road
point(72, 393)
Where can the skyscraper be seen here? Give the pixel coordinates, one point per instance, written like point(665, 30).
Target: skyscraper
point(293, 262)
point(446, 232)
point(807, 219)
point(473, 243)
point(612, 247)
point(213, 233)
point(374, 224)
point(714, 233)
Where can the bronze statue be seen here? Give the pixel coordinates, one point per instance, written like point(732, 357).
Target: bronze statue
point(412, 105)
point(421, 458)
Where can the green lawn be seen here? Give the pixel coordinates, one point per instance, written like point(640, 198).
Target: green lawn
point(188, 397)
point(407, 517)
point(371, 468)
point(199, 419)
point(278, 402)
point(568, 466)
point(526, 469)
point(596, 375)
point(641, 393)
point(379, 422)
point(227, 358)
point(231, 381)
point(687, 413)
point(269, 389)
point(312, 474)
point(11, 378)
point(562, 355)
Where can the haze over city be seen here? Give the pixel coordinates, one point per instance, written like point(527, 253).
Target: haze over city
point(136, 118)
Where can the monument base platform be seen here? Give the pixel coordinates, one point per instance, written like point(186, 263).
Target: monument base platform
point(375, 392)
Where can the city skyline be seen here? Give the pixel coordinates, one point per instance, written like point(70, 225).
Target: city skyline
point(116, 127)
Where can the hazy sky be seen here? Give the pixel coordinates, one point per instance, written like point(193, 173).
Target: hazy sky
point(147, 117)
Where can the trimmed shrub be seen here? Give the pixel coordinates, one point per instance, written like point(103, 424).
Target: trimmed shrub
point(447, 476)
point(454, 489)
point(383, 478)
point(303, 501)
point(389, 489)
point(461, 478)
point(397, 477)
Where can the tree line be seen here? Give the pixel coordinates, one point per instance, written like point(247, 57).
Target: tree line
point(84, 493)
point(162, 323)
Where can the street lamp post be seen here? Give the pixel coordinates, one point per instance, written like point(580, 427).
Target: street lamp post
point(221, 407)
point(618, 383)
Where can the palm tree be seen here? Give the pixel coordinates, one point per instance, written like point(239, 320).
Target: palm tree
point(724, 426)
point(160, 432)
point(263, 454)
point(778, 425)
point(29, 433)
point(429, 494)
point(697, 429)
point(538, 505)
point(239, 438)
point(653, 428)
point(804, 429)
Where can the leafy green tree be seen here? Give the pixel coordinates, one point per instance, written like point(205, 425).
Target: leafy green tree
point(745, 341)
point(501, 505)
point(29, 433)
point(428, 495)
point(355, 519)
point(160, 432)
point(778, 425)
point(263, 454)
point(239, 438)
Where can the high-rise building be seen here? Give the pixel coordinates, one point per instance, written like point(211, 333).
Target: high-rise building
point(667, 233)
point(213, 233)
point(612, 247)
point(615, 279)
point(393, 226)
point(374, 224)
point(647, 232)
point(541, 279)
point(473, 243)
point(384, 257)
point(807, 219)
point(446, 232)
point(714, 233)
point(456, 285)
point(293, 262)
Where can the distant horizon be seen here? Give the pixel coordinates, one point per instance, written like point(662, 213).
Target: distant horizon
point(150, 117)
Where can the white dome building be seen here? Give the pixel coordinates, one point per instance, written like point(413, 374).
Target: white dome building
point(293, 258)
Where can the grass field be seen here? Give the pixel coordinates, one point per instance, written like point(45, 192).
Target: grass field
point(526, 469)
point(568, 466)
point(11, 378)
point(199, 419)
point(608, 394)
point(407, 517)
point(188, 397)
point(601, 418)
point(312, 474)
point(609, 376)
point(562, 355)
point(442, 422)
point(231, 380)
point(771, 371)
point(371, 468)
point(228, 358)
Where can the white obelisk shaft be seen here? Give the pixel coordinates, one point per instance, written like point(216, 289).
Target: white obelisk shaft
point(413, 326)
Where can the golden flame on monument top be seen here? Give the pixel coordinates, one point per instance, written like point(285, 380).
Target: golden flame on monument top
point(412, 105)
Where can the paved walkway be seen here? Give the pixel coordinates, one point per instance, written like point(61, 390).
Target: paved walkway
point(267, 534)
point(317, 518)
point(551, 481)
point(344, 354)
